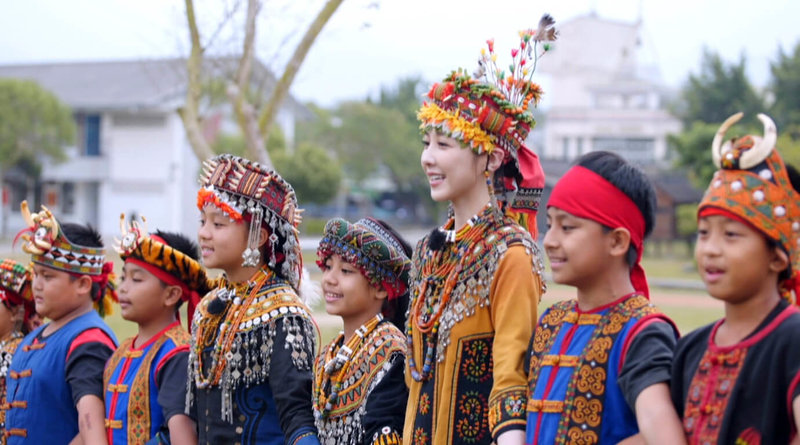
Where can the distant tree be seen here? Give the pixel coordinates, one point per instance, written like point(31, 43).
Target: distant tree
point(255, 119)
point(706, 100)
point(315, 176)
point(313, 173)
point(33, 124)
point(785, 89)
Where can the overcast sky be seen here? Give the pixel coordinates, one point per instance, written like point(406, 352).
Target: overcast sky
point(364, 47)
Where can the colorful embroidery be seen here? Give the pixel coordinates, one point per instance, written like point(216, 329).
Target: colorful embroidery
point(369, 364)
point(709, 393)
point(582, 407)
point(507, 408)
point(420, 437)
point(138, 419)
point(7, 349)
point(241, 336)
point(471, 416)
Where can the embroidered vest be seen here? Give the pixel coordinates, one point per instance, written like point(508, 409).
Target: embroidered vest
point(7, 349)
point(40, 405)
point(573, 395)
point(133, 414)
point(344, 424)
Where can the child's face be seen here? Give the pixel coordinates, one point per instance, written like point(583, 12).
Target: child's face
point(142, 296)
point(56, 293)
point(578, 248)
point(734, 260)
point(347, 291)
point(453, 171)
point(221, 240)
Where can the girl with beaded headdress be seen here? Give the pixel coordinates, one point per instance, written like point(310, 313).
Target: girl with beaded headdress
point(15, 313)
point(476, 280)
point(253, 339)
point(359, 393)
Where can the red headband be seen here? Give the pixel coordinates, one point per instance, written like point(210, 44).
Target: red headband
point(192, 297)
point(585, 194)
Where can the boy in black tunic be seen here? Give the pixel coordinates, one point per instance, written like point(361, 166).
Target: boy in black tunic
point(736, 381)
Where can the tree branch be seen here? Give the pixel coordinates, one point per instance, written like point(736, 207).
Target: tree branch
point(189, 112)
point(281, 89)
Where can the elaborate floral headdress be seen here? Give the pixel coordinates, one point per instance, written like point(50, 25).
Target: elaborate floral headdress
point(492, 109)
point(15, 286)
point(246, 190)
point(49, 246)
point(752, 184)
point(168, 264)
point(371, 248)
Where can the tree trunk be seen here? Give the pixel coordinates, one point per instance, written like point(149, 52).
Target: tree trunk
point(190, 112)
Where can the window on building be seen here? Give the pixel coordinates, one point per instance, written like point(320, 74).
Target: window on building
point(636, 150)
point(68, 198)
point(88, 134)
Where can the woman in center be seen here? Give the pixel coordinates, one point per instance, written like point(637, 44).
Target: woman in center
point(476, 280)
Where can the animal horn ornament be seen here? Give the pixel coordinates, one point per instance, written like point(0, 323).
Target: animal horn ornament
point(42, 230)
point(723, 153)
point(132, 235)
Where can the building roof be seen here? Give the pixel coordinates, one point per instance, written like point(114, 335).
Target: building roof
point(677, 185)
point(131, 84)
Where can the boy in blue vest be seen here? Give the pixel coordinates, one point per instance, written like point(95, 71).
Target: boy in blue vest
point(55, 383)
point(600, 364)
point(145, 379)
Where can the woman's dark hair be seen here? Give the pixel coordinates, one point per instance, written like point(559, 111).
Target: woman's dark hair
point(629, 180)
point(395, 309)
point(84, 235)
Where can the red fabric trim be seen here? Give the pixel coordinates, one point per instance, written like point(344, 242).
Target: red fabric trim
point(554, 369)
point(789, 400)
point(585, 194)
point(166, 277)
point(711, 211)
point(644, 322)
point(92, 335)
point(754, 339)
point(605, 306)
point(168, 356)
point(152, 339)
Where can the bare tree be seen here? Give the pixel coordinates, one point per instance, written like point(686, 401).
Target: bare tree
point(255, 123)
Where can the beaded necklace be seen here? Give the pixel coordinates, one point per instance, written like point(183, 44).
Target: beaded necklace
point(207, 329)
point(5, 354)
point(434, 265)
point(337, 362)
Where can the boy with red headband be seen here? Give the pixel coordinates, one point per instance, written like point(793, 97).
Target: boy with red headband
point(55, 385)
point(600, 364)
point(736, 380)
point(145, 379)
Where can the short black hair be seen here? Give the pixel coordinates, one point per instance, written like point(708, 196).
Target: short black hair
point(395, 310)
point(180, 242)
point(88, 236)
point(629, 180)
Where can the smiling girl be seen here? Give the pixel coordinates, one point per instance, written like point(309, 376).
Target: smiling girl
point(359, 393)
point(253, 339)
point(476, 280)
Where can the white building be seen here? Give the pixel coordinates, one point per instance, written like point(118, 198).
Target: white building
point(604, 94)
point(131, 153)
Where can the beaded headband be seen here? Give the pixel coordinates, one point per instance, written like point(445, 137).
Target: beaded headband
point(492, 109)
point(368, 246)
point(246, 190)
point(752, 183)
point(49, 246)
